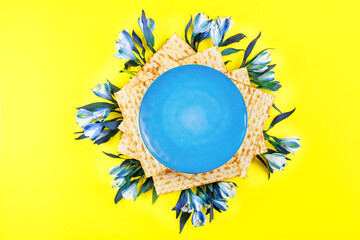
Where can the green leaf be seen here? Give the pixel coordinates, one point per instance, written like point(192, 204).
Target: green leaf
point(232, 39)
point(146, 186)
point(266, 165)
point(280, 118)
point(154, 196)
point(183, 219)
point(82, 136)
point(227, 62)
point(249, 49)
point(92, 106)
point(187, 29)
point(111, 155)
point(131, 73)
point(229, 51)
point(276, 108)
point(118, 195)
point(113, 88)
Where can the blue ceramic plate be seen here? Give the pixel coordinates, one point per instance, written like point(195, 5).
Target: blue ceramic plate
point(193, 119)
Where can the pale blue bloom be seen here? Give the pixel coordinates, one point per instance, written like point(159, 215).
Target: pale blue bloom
point(92, 130)
point(130, 192)
point(150, 24)
point(184, 203)
point(277, 161)
point(125, 54)
point(84, 117)
point(198, 219)
point(188, 207)
point(125, 46)
point(118, 182)
point(257, 68)
point(201, 24)
point(101, 114)
point(266, 77)
point(116, 170)
point(225, 24)
point(216, 35)
point(227, 189)
point(292, 144)
point(197, 202)
point(125, 41)
point(219, 203)
point(103, 90)
point(263, 58)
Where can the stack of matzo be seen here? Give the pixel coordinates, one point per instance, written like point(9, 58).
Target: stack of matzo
point(173, 53)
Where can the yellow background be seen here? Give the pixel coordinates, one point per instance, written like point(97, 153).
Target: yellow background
point(52, 187)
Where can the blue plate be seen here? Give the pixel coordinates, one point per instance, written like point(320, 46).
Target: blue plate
point(193, 119)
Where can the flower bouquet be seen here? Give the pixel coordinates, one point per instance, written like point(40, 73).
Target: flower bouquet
point(139, 171)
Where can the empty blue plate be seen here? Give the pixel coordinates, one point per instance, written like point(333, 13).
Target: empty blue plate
point(193, 119)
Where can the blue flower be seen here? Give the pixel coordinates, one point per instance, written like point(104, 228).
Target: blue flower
point(130, 192)
point(84, 117)
point(184, 203)
point(125, 54)
point(118, 182)
point(92, 130)
point(277, 161)
point(116, 170)
point(266, 77)
point(103, 90)
point(197, 202)
point(262, 58)
point(257, 68)
point(150, 24)
point(226, 189)
point(225, 24)
point(125, 46)
point(216, 35)
point(292, 144)
point(201, 24)
point(198, 219)
point(219, 203)
point(125, 41)
point(101, 114)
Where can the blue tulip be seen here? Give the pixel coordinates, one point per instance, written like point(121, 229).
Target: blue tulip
point(84, 117)
point(292, 144)
point(103, 90)
point(277, 161)
point(92, 130)
point(267, 77)
point(216, 35)
point(150, 24)
point(198, 219)
point(100, 114)
point(227, 189)
point(130, 192)
point(201, 24)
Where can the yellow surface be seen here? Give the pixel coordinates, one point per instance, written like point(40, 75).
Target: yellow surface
point(52, 187)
